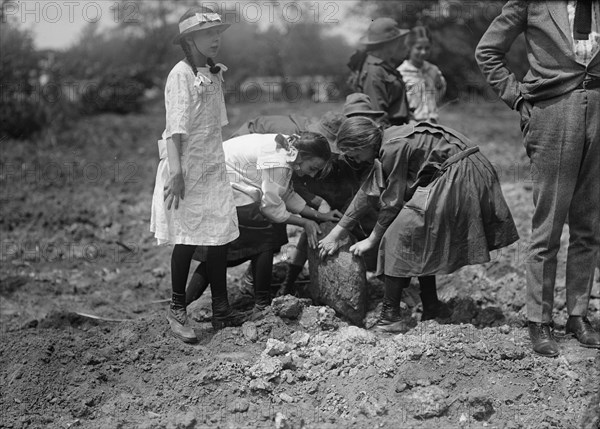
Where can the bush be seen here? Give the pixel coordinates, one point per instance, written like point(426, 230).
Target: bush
point(119, 91)
point(21, 113)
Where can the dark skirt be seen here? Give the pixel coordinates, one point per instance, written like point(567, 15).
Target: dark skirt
point(257, 235)
point(455, 220)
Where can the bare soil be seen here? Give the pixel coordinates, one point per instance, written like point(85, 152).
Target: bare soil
point(75, 244)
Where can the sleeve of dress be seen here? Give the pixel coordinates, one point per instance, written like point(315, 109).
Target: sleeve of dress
point(361, 202)
point(395, 171)
point(177, 104)
point(278, 199)
point(493, 46)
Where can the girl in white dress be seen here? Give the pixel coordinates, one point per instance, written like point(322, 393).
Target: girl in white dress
point(425, 84)
point(193, 203)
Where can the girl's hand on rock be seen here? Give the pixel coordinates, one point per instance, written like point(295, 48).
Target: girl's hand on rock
point(360, 248)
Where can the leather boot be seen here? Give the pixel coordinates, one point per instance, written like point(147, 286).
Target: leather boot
point(262, 299)
point(390, 320)
point(435, 310)
point(223, 316)
point(542, 340)
point(289, 284)
point(177, 318)
point(583, 330)
point(432, 307)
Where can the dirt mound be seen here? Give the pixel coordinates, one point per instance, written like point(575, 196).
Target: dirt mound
point(70, 370)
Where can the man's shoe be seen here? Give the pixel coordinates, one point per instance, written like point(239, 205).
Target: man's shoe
point(583, 330)
point(438, 310)
point(177, 318)
point(390, 321)
point(542, 340)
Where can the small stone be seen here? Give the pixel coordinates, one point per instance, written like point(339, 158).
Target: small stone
point(299, 338)
point(401, 387)
point(287, 306)
point(287, 362)
point(241, 406)
point(286, 398)
point(260, 385)
point(250, 331)
point(281, 421)
point(481, 406)
point(428, 402)
point(275, 347)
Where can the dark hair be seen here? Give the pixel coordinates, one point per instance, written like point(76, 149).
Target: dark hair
point(359, 132)
point(307, 143)
point(416, 33)
point(214, 69)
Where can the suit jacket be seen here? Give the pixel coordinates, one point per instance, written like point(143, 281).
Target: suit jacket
point(553, 69)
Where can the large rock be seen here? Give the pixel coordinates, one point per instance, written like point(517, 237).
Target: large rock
point(339, 281)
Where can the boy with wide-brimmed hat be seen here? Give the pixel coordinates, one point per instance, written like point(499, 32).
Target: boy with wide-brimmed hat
point(378, 77)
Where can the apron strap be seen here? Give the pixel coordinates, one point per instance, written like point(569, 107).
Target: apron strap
point(457, 157)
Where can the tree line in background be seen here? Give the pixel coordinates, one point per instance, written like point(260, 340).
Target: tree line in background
point(112, 70)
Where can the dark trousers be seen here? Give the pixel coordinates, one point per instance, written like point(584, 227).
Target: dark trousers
point(562, 139)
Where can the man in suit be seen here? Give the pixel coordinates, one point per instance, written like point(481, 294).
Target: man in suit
point(559, 102)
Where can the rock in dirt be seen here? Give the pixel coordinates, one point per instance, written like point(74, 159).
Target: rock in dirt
point(185, 421)
point(355, 334)
point(428, 402)
point(480, 406)
point(490, 316)
point(314, 318)
point(281, 421)
point(289, 306)
point(266, 367)
point(299, 339)
point(260, 385)
point(464, 310)
point(250, 331)
point(275, 347)
point(339, 281)
point(241, 406)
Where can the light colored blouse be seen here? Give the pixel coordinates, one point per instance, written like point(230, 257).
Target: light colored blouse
point(425, 87)
point(260, 171)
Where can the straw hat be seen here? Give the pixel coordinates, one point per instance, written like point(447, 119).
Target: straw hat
point(359, 104)
point(382, 30)
point(197, 19)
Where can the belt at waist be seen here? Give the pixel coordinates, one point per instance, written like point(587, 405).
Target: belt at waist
point(589, 84)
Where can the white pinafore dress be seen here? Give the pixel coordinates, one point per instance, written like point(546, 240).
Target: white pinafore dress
point(195, 107)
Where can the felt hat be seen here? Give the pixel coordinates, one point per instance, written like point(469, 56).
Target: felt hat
point(382, 30)
point(359, 104)
point(197, 19)
point(328, 127)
